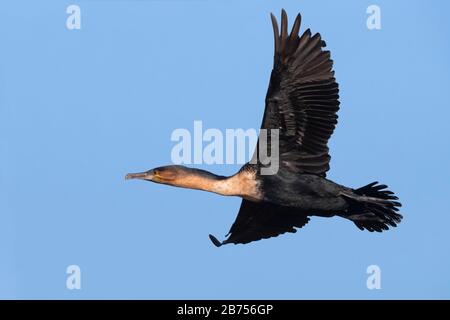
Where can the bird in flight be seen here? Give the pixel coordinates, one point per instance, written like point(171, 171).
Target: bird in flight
point(301, 103)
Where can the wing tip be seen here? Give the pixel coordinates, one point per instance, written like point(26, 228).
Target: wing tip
point(215, 241)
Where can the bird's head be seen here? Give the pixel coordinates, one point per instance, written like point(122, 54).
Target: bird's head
point(166, 174)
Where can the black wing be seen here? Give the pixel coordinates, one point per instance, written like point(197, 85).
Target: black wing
point(262, 220)
point(302, 99)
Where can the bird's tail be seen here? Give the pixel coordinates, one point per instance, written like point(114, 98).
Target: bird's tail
point(373, 207)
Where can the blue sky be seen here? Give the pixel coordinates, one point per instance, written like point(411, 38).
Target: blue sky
point(81, 108)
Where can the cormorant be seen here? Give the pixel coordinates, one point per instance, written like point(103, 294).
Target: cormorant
point(302, 101)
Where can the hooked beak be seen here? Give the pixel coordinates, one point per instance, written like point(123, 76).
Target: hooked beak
point(148, 175)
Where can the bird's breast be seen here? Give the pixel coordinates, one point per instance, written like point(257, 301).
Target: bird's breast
point(243, 184)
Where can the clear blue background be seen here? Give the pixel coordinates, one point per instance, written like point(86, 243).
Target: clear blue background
point(79, 109)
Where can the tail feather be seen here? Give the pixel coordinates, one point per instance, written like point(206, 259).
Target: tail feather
point(373, 207)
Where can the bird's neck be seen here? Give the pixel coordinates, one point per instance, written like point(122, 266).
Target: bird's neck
point(242, 184)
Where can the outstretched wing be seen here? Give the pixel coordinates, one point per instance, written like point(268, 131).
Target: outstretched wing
point(302, 99)
point(262, 220)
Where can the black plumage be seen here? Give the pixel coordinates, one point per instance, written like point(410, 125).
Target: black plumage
point(302, 102)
